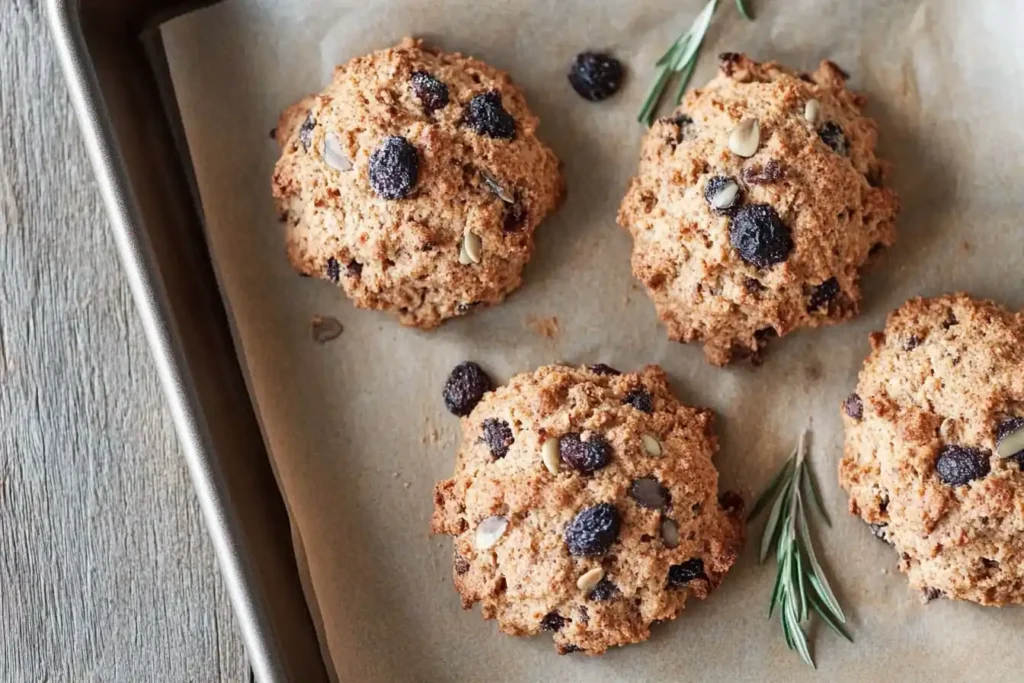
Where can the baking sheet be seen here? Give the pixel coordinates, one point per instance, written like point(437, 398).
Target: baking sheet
point(356, 427)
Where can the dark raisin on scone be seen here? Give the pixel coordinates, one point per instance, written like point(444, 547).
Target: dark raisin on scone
point(598, 519)
point(934, 434)
point(755, 206)
point(415, 182)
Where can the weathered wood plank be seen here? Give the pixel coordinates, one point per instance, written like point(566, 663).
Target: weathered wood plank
point(106, 572)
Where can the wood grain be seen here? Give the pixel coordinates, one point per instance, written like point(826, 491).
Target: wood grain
point(106, 571)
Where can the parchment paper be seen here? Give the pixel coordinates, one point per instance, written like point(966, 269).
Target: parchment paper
point(357, 429)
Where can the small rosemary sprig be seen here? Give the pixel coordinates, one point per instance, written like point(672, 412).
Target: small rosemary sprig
point(800, 583)
point(681, 58)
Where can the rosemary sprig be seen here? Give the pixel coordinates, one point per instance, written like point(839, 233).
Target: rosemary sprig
point(681, 58)
point(800, 583)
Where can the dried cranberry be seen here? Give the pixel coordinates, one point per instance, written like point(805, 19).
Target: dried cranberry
point(466, 385)
point(498, 436)
point(823, 295)
point(640, 399)
point(960, 465)
point(853, 407)
point(595, 76)
point(486, 116)
point(593, 530)
point(584, 456)
point(681, 574)
point(759, 236)
point(394, 167)
point(432, 93)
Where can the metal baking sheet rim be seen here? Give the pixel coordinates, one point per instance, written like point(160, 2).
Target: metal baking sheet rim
point(275, 653)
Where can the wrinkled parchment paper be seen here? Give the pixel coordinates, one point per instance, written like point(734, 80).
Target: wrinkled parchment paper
point(357, 429)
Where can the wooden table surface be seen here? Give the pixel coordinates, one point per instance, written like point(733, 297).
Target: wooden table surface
point(106, 570)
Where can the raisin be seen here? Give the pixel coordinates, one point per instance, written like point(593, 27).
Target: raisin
point(466, 385)
point(306, 132)
point(681, 574)
point(640, 399)
point(584, 456)
point(912, 342)
point(515, 217)
point(593, 530)
point(753, 285)
point(853, 407)
point(723, 194)
point(498, 436)
point(771, 172)
point(959, 465)
point(602, 369)
point(731, 503)
point(823, 295)
point(354, 268)
point(333, 269)
point(432, 93)
point(595, 76)
point(461, 564)
point(760, 236)
point(603, 590)
point(682, 124)
point(486, 116)
point(1004, 429)
point(552, 621)
point(832, 135)
point(394, 167)
point(649, 493)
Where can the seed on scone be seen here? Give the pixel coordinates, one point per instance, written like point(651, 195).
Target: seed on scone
point(593, 530)
point(722, 192)
point(832, 135)
point(334, 156)
point(595, 76)
point(432, 93)
point(640, 399)
point(651, 445)
point(649, 493)
point(553, 621)
point(333, 269)
point(585, 456)
point(496, 187)
point(588, 580)
point(823, 294)
point(394, 167)
point(471, 248)
point(489, 532)
point(549, 455)
point(306, 131)
point(487, 116)
point(1010, 439)
point(603, 590)
point(670, 533)
point(602, 369)
point(853, 407)
point(812, 109)
point(759, 236)
point(681, 574)
point(465, 386)
point(498, 436)
point(745, 138)
point(960, 465)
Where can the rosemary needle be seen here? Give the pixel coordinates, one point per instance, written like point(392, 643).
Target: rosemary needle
point(800, 585)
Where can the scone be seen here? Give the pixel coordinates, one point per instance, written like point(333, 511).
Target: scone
point(414, 181)
point(585, 503)
point(755, 206)
point(935, 446)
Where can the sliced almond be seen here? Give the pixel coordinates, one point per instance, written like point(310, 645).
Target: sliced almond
point(745, 138)
point(489, 532)
point(588, 580)
point(669, 533)
point(812, 110)
point(1011, 443)
point(549, 454)
point(651, 445)
point(334, 155)
point(472, 245)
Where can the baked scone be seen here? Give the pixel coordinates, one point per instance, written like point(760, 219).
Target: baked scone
point(585, 503)
point(755, 206)
point(935, 445)
point(414, 181)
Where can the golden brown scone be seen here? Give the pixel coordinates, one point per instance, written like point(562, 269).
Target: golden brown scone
point(938, 399)
point(737, 249)
point(585, 503)
point(405, 157)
